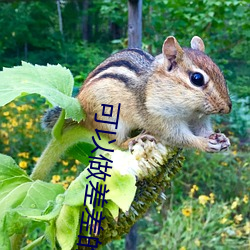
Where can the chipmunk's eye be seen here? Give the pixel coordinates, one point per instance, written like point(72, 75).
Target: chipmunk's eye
point(197, 79)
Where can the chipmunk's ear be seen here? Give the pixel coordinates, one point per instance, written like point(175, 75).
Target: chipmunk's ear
point(171, 49)
point(197, 43)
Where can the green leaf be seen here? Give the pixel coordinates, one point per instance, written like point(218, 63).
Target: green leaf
point(14, 223)
point(113, 208)
point(14, 198)
point(39, 194)
point(9, 168)
point(4, 240)
point(57, 129)
point(11, 183)
point(20, 197)
point(34, 243)
point(45, 216)
point(66, 226)
point(81, 151)
point(53, 82)
point(50, 234)
point(122, 189)
point(74, 195)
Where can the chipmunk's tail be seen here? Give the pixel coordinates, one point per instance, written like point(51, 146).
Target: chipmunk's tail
point(50, 117)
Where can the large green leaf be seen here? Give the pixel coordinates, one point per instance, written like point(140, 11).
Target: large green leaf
point(81, 151)
point(74, 195)
point(6, 186)
point(66, 226)
point(39, 194)
point(53, 82)
point(9, 168)
point(22, 200)
point(122, 189)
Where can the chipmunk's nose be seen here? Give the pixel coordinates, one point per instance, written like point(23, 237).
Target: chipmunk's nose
point(230, 106)
point(227, 108)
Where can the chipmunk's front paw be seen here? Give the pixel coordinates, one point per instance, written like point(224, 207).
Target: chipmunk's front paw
point(141, 139)
point(218, 142)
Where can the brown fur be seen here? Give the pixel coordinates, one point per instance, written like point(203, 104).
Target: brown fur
point(156, 95)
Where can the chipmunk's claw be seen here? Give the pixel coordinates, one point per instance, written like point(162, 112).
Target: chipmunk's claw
point(141, 139)
point(218, 142)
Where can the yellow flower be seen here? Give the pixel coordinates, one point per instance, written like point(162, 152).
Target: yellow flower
point(65, 185)
point(35, 159)
point(12, 105)
point(238, 233)
point(211, 195)
point(14, 123)
point(187, 211)
point(65, 163)
point(234, 152)
point(55, 178)
point(245, 199)
point(235, 203)
point(6, 113)
point(197, 242)
point(225, 164)
point(73, 168)
point(203, 199)
point(223, 220)
point(24, 154)
point(70, 178)
point(29, 124)
point(247, 227)
point(238, 218)
point(183, 248)
point(23, 107)
point(23, 164)
point(4, 134)
point(77, 162)
point(193, 190)
point(6, 141)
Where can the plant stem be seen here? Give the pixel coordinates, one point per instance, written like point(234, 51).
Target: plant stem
point(57, 147)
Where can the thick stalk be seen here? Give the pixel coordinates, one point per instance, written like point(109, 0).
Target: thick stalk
point(57, 147)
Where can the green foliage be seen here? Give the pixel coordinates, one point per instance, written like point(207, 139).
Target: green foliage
point(198, 224)
point(52, 82)
point(20, 197)
point(30, 32)
point(223, 25)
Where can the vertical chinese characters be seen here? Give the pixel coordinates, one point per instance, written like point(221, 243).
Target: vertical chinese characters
point(98, 168)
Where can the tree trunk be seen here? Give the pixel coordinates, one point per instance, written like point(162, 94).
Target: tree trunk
point(59, 16)
point(131, 238)
point(135, 23)
point(85, 20)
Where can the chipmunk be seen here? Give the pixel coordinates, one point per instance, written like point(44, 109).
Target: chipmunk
point(170, 97)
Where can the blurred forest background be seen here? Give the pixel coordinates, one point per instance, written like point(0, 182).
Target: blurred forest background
point(208, 204)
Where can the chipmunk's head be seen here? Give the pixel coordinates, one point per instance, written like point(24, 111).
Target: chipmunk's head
point(198, 77)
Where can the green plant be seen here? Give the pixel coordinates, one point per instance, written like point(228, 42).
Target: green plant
point(199, 223)
point(30, 201)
